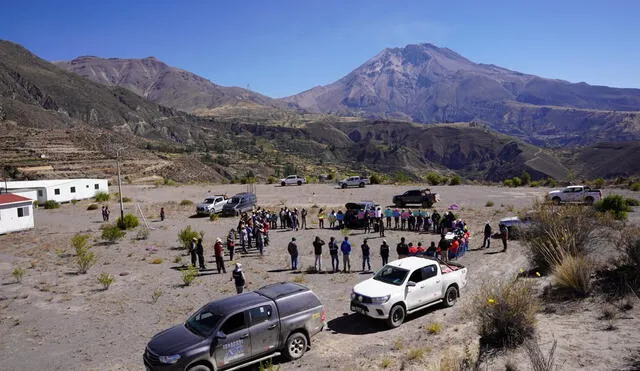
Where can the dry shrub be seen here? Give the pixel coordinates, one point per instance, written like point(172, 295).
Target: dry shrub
point(624, 279)
point(456, 360)
point(558, 231)
point(574, 274)
point(434, 328)
point(537, 359)
point(505, 312)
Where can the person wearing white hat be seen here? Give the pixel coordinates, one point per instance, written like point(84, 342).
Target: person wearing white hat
point(238, 276)
point(218, 250)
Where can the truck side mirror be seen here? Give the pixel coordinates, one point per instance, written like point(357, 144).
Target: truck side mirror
point(220, 335)
point(411, 284)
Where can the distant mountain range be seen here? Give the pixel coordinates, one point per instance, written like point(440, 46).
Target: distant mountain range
point(55, 123)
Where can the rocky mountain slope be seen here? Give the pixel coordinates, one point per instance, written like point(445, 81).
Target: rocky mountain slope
point(425, 83)
point(163, 84)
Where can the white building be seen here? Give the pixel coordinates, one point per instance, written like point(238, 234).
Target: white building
point(16, 213)
point(59, 190)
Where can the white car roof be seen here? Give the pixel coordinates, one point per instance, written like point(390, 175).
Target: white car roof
point(412, 262)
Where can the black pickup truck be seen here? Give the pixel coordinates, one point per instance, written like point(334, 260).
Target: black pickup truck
point(240, 330)
point(422, 197)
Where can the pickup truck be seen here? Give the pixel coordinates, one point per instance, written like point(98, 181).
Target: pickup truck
point(211, 205)
point(581, 194)
point(422, 197)
point(292, 180)
point(353, 181)
point(407, 285)
point(240, 330)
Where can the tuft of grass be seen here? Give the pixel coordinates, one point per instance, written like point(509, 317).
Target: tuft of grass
point(102, 197)
point(345, 232)
point(177, 259)
point(74, 201)
point(268, 366)
point(126, 199)
point(300, 278)
point(505, 312)
point(157, 293)
point(615, 205)
point(51, 204)
point(415, 354)
point(574, 274)
point(632, 201)
point(385, 362)
point(398, 344)
point(189, 275)
point(105, 280)
point(186, 203)
point(635, 186)
point(157, 261)
point(130, 221)
point(434, 328)
point(537, 359)
point(213, 217)
point(142, 234)
point(18, 274)
point(85, 259)
point(489, 204)
point(92, 207)
point(112, 233)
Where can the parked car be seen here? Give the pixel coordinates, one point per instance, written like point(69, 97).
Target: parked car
point(230, 333)
point(353, 181)
point(407, 285)
point(515, 226)
point(240, 203)
point(292, 180)
point(354, 214)
point(422, 197)
point(581, 194)
point(211, 205)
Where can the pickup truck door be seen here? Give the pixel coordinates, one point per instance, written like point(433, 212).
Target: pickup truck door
point(415, 296)
point(264, 330)
point(432, 283)
point(233, 344)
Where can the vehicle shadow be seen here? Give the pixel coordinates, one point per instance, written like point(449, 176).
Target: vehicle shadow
point(357, 324)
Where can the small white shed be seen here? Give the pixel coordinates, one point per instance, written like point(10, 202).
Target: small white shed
point(61, 190)
point(16, 213)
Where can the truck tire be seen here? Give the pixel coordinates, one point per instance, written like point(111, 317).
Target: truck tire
point(343, 186)
point(400, 203)
point(588, 200)
point(295, 346)
point(361, 185)
point(199, 368)
point(451, 296)
point(299, 182)
point(556, 200)
point(397, 315)
point(427, 204)
point(283, 184)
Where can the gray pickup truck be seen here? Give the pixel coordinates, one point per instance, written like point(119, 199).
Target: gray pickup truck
point(231, 333)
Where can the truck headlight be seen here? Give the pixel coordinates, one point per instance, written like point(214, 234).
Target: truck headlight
point(353, 295)
point(169, 360)
point(380, 299)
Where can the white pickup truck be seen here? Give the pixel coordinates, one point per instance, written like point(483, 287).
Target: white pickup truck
point(353, 181)
point(407, 285)
point(581, 194)
point(211, 205)
point(292, 180)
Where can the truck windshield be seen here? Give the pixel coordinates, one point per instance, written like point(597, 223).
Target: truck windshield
point(203, 322)
point(235, 200)
point(391, 275)
point(208, 201)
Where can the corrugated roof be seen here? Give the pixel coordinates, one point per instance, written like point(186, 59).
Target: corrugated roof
point(10, 198)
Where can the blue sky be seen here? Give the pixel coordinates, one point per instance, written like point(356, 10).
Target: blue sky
point(280, 48)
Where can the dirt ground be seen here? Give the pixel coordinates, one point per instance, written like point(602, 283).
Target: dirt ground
point(59, 320)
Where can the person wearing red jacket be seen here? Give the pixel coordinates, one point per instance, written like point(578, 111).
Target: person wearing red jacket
point(218, 253)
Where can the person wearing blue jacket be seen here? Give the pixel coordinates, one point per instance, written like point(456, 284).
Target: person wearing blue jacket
point(346, 252)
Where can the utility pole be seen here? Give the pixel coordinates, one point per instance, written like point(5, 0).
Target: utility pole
point(120, 183)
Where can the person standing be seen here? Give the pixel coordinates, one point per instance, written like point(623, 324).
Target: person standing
point(384, 252)
point(381, 227)
point(107, 213)
point(321, 219)
point(231, 244)
point(432, 249)
point(200, 252)
point(303, 217)
point(504, 235)
point(367, 225)
point(435, 218)
point(333, 252)
point(487, 236)
point(243, 238)
point(104, 215)
point(366, 255)
point(192, 251)
point(388, 213)
point(260, 239)
point(345, 247)
point(218, 249)
point(443, 246)
point(162, 214)
point(293, 252)
point(238, 276)
point(402, 249)
point(317, 251)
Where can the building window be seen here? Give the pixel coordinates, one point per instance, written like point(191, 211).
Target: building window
point(56, 191)
point(73, 189)
point(87, 186)
point(40, 193)
point(23, 211)
point(96, 186)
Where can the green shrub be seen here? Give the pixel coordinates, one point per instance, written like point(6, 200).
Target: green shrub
point(177, 259)
point(130, 221)
point(18, 273)
point(168, 182)
point(525, 177)
point(157, 293)
point(189, 275)
point(92, 207)
point(105, 280)
point(51, 204)
point(74, 201)
point(434, 178)
point(401, 177)
point(505, 312)
point(616, 205)
point(632, 201)
point(635, 186)
point(434, 328)
point(79, 242)
point(507, 183)
point(599, 183)
point(517, 182)
point(489, 204)
point(574, 273)
point(85, 259)
point(535, 183)
point(142, 234)
point(550, 182)
point(186, 235)
point(272, 180)
point(102, 197)
point(35, 203)
point(375, 179)
point(126, 199)
point(157, 261)
point(455, 180)
point(213, 217)
point(186, 203)
point(112, 233)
